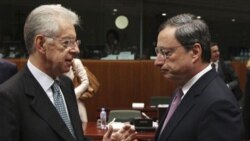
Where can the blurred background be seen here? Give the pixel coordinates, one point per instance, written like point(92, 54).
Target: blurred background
point(134, 24)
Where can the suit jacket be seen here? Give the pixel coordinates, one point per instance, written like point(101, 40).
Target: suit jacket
point(7, 70)
point(27, 114)
point(246, 107)
point(227, 73)
point(208, 112)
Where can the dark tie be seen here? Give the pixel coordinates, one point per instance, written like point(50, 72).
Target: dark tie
point(60, 106)
point(176, 101)
point(213, 66)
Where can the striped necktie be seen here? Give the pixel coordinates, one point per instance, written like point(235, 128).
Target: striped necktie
point(61, 106)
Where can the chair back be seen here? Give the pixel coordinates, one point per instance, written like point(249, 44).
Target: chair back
point(124, 115)
point(156, 100)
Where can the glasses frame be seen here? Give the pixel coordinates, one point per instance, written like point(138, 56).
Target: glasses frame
point(67, 42)
point(166, 52)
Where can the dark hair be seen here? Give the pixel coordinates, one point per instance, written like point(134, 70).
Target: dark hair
point(114, 33)
point(190, 30)
point(213, 44)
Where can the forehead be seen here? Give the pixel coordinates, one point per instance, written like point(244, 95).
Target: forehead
point(214, 48)
point(167, 37)
point(67, 30)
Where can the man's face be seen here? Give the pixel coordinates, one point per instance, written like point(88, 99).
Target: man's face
point(215, 53)
point(61, 50)
point(176, 63)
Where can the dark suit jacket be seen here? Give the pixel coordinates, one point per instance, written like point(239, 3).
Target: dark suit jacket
point(27, 114)
point(208, 112)
point(246, 107)
point(227, 73)
point(7, 70)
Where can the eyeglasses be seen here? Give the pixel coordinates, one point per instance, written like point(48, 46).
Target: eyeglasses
point(67, 42)
point(164, 52)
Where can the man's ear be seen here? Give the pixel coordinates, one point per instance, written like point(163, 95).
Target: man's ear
point(40, 43)
point(196, 52)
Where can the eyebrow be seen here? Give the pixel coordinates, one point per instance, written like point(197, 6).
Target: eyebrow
point(163, 48)
point(69, 38)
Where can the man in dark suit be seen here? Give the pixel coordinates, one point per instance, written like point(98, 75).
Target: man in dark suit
point(203, 109)
point(225, 70)
point(39, 103)
point(7, 70)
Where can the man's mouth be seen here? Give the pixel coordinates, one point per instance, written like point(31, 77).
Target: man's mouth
point(69, 62)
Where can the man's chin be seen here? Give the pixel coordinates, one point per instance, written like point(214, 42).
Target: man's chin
point(167, 76)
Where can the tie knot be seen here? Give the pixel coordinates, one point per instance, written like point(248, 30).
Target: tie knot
point(56, 81)
point(213, 65)
point(179, 93)
point(55, 86)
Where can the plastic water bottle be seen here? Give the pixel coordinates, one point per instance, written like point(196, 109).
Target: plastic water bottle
point(103, 117)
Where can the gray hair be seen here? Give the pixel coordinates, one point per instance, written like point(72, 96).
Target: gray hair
point(45, 20)
point(191, 30)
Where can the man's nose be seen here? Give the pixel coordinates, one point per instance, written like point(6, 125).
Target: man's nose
point(159, 61)
point(75, 50)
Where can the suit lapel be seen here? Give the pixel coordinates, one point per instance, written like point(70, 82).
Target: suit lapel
point(44, 107)
point(186, 104)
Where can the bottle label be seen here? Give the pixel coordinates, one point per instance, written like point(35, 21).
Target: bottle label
point(99, 123)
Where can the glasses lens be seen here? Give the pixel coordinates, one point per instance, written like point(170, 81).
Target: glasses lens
point(162, 52)
point(156, 51)
point(78, 42)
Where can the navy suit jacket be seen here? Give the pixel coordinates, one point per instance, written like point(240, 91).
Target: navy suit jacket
point(227, 73)
point(208, 112)
point(27, 114)
point(7, 70)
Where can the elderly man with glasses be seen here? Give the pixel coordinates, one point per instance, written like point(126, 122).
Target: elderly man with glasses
point(39, 102)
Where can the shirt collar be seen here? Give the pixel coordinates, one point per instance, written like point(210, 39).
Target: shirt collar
point(216, 62)
point(42, 78)
point(191, 82)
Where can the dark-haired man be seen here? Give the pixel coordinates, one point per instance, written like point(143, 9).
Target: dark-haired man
point(225, 70)
point(202, 108)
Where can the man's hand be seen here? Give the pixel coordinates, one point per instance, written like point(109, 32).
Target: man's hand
point(127, 133)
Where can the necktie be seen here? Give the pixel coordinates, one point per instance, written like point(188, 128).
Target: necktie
point(176, 101)
point(60, 106)
point(213, 66)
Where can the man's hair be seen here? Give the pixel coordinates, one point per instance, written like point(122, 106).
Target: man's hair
point(45, 20)
point(190, 30)
point(213, 44)
point(114, 33)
